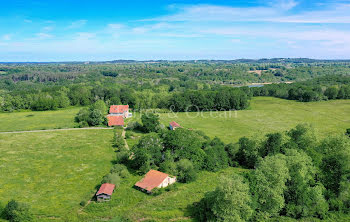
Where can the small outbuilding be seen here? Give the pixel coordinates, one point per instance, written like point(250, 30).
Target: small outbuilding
point(105, 192)
point(155, 179)
point(173, 125)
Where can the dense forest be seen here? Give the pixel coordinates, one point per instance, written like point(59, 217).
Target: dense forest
point(203, 85)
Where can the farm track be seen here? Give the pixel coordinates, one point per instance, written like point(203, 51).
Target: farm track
point(52, 130)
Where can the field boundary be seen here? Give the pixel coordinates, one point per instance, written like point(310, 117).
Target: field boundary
point(52, 130)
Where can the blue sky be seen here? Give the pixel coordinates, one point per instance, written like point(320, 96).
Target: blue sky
point(91, 30)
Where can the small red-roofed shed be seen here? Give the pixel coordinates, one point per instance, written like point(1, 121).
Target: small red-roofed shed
point(105, 192)
point(173, 125)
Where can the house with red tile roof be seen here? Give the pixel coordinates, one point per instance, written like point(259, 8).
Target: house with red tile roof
point(115, 120)
point(173, 125)
point(105, 192)
point(155, 179)
point(120, 110)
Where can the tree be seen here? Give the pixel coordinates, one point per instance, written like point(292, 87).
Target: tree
point(185, 171)
point(336, 170)
point(150, 122)
point(96, 118)
point(17, 212)
point(303, 196)
point(232, 151)
point(302, 137)
point(185, 144)
point(269, 184)
point(230, 201)
point(331, 92)
point(99, 105)
point(82, 115)
point(272, 145)
point(248, 152)
point(217, 158)
point(147, 153)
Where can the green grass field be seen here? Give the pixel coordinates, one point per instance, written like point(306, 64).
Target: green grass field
point(266, 115)
point(37, 120)
point(54, 171)
point(137, 206)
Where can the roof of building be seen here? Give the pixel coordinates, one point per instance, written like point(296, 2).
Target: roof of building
point(174, 124)
point(151, 180)
point(115, 120)
point(118, 108)
point(106, 188)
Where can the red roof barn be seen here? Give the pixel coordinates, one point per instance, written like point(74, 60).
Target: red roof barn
point(155, 179)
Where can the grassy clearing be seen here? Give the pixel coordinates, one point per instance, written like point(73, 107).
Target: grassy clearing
point(136, 205)
point(266, 115)
point(37, 120)
point(53, 171)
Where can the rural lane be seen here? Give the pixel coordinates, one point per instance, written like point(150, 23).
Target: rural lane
point(52, 130)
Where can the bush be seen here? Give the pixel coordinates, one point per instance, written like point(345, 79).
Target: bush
point(83, 124)
point(347, 132)
point(122, 156)
point(83, 203)
point(134, 126)
point(112, 178)
point(120, 169)
point(186, 171)
point(128, 134)
point(17, 212)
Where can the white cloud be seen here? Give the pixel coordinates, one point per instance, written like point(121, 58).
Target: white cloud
point(284, 4)
point(7, 37)
point(27, 21)
point(115, 26)
point(47, 28)
point(331, 13)
point(85, 36)
point(43, 35)
point(77, 24)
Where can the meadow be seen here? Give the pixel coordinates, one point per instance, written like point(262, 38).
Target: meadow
point(172, 205)
point(54, 171)
point(38, 120)
point(265, 115)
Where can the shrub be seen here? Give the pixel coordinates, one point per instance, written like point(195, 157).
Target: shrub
point(347, 132)
point(83, 124)
point(122, 156)
point(112, 178)
point(83, 203)
point(128, 134)
point(17, 212)
point(186, 171)
point(134, 126)
point(121, 169)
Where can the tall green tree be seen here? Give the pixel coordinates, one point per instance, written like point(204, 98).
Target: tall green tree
point(150, 122)
point(231, 201)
